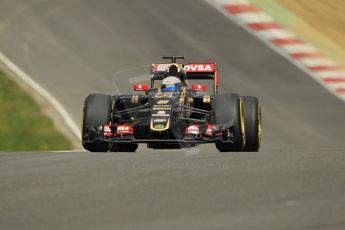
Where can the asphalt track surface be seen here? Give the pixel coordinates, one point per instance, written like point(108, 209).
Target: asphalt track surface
point(72, 48)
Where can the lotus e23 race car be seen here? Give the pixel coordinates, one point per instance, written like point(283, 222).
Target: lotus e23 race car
point(173, 114)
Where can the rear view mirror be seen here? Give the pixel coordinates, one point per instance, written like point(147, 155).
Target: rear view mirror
point(198, 87)
point(140, 87)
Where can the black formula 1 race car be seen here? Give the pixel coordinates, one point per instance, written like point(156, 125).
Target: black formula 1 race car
point(173, 115)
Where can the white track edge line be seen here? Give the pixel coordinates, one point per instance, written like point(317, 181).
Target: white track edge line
point(43, 92)
point(277, 49)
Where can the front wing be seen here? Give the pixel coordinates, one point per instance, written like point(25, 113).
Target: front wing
point(108, 134)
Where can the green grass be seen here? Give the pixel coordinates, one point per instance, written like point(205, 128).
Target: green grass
point(23, 127)
point(277, 11)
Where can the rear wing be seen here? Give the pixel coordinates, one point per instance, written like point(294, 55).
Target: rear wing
point(192, 71)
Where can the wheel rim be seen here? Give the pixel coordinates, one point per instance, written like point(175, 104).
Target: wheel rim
point(242, 123)
point(259, 124)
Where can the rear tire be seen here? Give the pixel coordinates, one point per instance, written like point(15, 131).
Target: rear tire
point(252, 115)
point(97, 112)
point(228, 110)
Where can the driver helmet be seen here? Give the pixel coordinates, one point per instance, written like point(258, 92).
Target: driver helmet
point(171, 84)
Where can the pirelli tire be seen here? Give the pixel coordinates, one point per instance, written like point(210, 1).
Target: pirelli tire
point(252, 116)
point(97, 111)
point(228, 111)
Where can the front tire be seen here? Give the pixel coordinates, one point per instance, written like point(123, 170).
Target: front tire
point(229, 111)
point(252, 115)
point(97, 112)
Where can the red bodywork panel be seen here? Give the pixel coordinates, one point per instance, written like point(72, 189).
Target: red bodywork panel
point(199, 68)
point(198, 87)
point(140, 87)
